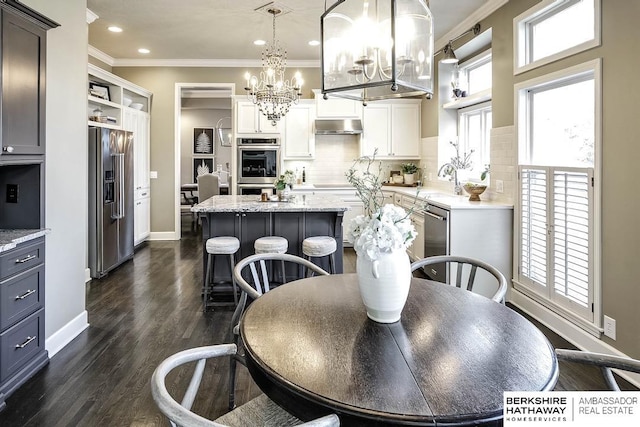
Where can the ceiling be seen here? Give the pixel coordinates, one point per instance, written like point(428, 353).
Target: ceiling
point(224, 30)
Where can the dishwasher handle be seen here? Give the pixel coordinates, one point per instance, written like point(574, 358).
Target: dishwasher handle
point(432, 215)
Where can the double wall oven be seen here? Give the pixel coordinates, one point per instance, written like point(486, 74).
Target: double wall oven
point(258, 164)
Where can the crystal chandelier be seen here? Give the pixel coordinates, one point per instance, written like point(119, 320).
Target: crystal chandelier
point(377, 49)
point(272, 93)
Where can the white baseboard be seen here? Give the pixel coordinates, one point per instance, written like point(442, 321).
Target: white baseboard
point(164, 235)
point(567, 330)
point(66, 334)
point(87, 275)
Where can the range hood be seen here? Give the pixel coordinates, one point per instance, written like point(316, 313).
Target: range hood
point(338, 127)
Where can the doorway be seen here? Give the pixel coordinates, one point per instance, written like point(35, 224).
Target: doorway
point(203, 126)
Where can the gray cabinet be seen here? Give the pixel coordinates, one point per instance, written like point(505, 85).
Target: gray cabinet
point(23, 57)
point(22, 334)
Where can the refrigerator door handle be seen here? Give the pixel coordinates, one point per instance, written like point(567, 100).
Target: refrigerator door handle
point(117, 208)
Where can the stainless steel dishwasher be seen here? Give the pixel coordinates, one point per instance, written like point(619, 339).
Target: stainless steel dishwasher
point(436, 239)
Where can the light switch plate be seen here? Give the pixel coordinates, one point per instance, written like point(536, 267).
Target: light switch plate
point(610, 327)
point(499, 186)
point(153, 174)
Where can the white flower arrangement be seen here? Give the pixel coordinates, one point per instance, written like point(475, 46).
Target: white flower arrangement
point(387, 229)
point(382, 229)
point(288, 178)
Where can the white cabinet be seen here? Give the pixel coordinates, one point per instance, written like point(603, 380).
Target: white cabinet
point(416, 250)
point(250, 120)
point(336, 108)
point(393, 128)
point(138, 123)
point(298, 139)
point(142, 218)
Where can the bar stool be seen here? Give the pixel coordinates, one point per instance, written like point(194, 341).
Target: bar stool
point(222, 245)
point(271, 245)
point(318, 247)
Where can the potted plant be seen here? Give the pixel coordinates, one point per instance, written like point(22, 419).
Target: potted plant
point(284, 183)
point(409, 171)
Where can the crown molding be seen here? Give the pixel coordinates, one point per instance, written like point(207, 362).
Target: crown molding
point(101, 56)
point(208, 63)
point(91, 16)
point(481, 13)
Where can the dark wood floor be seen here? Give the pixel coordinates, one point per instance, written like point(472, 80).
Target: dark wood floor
point(139, 314)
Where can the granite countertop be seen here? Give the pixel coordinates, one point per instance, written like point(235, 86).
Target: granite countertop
point(252, 203)
point(447, 201)
point(9, 239)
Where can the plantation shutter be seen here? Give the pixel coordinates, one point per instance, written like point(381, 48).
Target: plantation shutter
point(572, 237)
point(533, 230)
point(556, 225)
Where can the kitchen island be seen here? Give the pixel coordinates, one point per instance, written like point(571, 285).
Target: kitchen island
point(247, 218)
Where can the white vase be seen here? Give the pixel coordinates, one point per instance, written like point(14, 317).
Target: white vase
point(384, 285)
point(409, 178)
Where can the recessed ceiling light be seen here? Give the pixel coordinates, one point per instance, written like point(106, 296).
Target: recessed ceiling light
point(259, 42)
point(144, 50)
point(314, 43)
point(114, 29)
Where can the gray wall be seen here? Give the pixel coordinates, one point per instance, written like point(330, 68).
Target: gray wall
point(66, 189)
point(161, 82)
point(201, 118)
point(620, 145)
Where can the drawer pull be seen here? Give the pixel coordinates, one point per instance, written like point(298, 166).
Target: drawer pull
point(26, 294)
point(25, 259)
point(26, 343)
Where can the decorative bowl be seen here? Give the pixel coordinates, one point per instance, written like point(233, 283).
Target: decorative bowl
point(136, 105)
point(126, 102)
point(474, 190)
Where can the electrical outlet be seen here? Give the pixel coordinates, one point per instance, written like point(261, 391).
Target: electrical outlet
point(610, 327)
point(499, 186)
point(153, 174)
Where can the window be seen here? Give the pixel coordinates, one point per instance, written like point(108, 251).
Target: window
point(555, 29)
point(558, 128)
point(474, 125)
point(474, 75)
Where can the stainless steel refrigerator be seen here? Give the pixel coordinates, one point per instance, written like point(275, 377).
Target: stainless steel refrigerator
point(110, 199)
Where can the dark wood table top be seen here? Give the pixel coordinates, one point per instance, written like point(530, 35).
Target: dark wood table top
point(311, 348)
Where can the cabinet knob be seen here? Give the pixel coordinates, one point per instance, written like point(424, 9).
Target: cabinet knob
point(244, 214)
point(8, 149)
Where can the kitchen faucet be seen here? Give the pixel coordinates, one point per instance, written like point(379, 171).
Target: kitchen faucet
point(451, 170)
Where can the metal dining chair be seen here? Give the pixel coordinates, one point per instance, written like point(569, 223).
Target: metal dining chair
point(605, 362)
point(467, 268)
point(260, 411)
point(254, 267)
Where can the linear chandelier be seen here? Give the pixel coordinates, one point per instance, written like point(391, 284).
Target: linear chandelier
point(377, 49)
point(272, 93)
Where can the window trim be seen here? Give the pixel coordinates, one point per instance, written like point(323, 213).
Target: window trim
point(522, 132)
point(521, 42)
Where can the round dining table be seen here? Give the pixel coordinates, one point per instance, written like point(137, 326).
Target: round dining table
point(311, 348)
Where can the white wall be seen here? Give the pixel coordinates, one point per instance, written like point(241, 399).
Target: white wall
point(66, 170)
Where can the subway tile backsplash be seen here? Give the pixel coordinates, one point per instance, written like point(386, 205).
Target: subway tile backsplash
point(335, 154)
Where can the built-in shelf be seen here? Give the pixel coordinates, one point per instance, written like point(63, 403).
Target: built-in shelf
point(476, 98)
point(104, 125)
